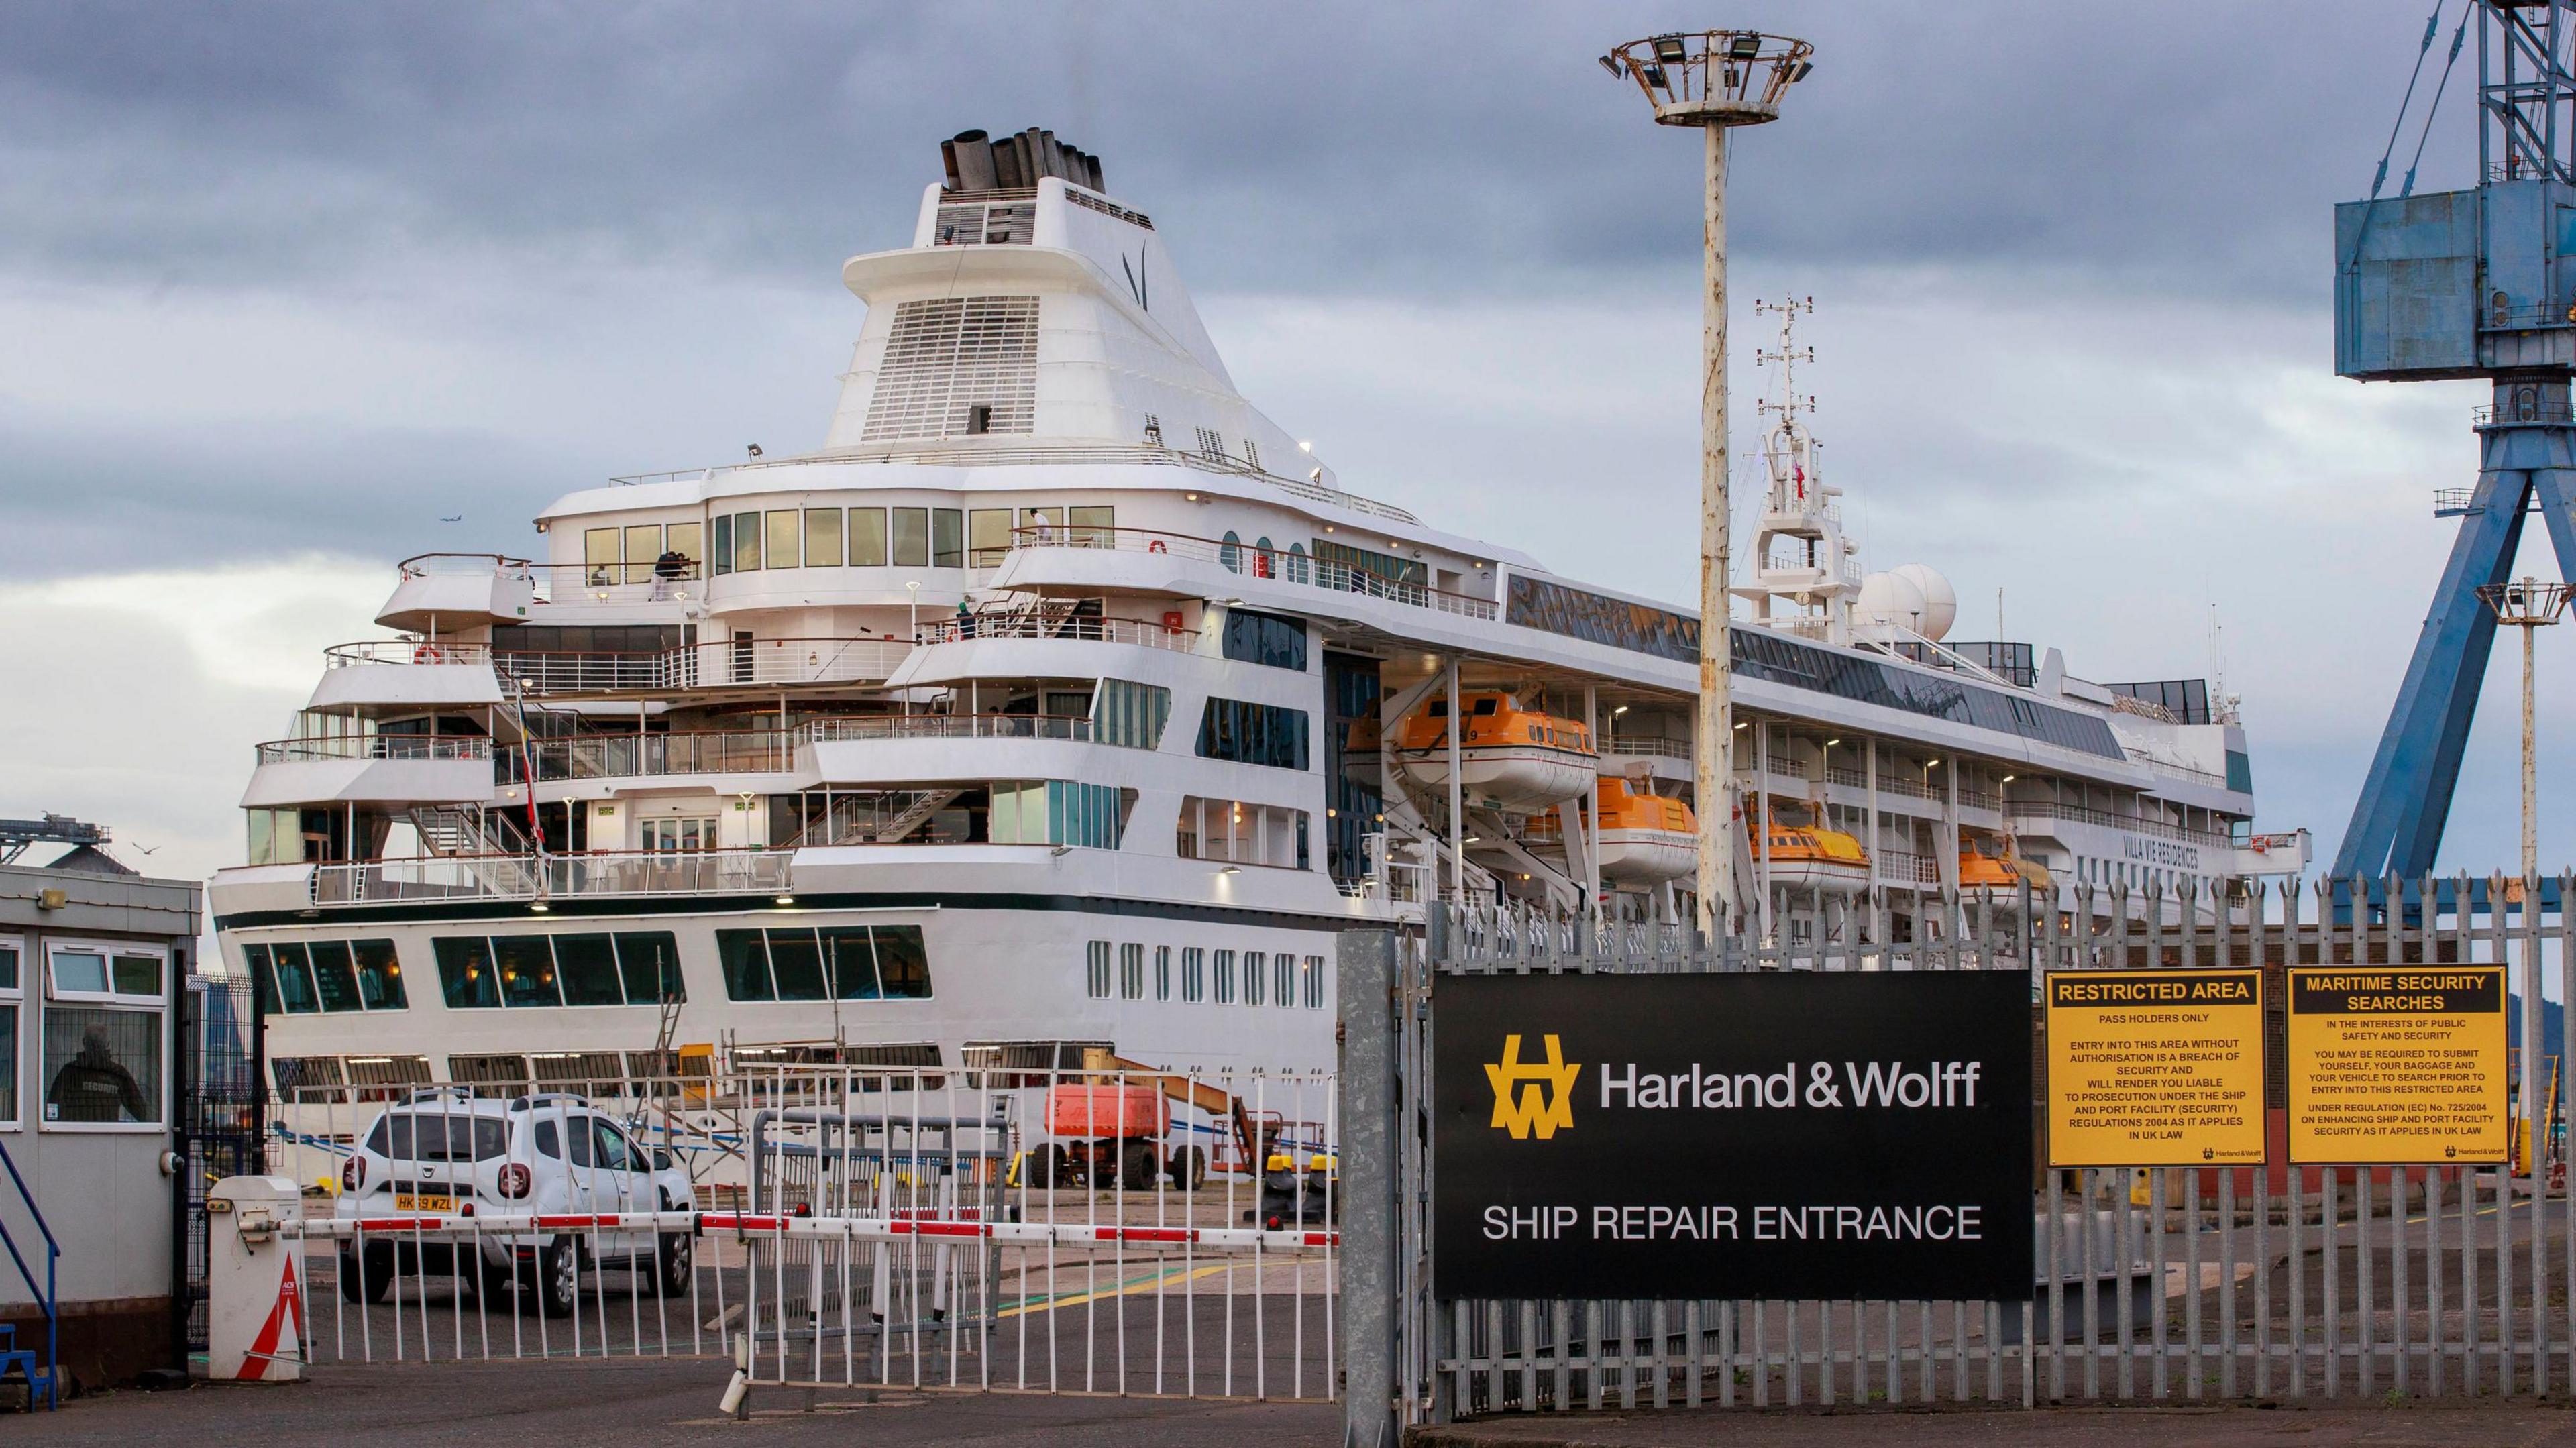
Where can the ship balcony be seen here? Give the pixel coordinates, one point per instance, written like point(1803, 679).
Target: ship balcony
point(960, 747)
point(1091, 559)
point(395, 673)
point(1033, 645)
point(463, 590)
point(855, 749)
point(371, 769)
point(708, 664)
point(460, 589)
point(405, 675)
point(733, 752)
point(2041, 817)
point(538, 879)
point(1668, 760)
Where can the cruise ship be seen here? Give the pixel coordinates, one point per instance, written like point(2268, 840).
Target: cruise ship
point(1062, 702)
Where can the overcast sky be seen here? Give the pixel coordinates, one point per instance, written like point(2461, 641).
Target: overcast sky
point(283, 286)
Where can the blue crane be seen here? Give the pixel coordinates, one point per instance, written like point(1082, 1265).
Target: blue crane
point(2456, 284)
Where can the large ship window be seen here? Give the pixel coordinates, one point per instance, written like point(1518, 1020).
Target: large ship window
point(643, 549)
point(1091, 526)
point(682, 538)
point(832, 962)
point(867, 537)
point(527, 970)
point(822, 537)
point(634, 967)
point(988, 536)
point(746, 542)
point(1131, 715)
point(1265, 638)
point(600, 556)
point(1242, 834)
point(947, 538)
point(912, 537)
point(1057, 812)
point(724, 544)
point(1248, 733)
point(786, 537)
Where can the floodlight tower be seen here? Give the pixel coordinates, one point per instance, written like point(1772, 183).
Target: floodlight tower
point(1714, 80)
point(2475, 283)
point(2529, 605)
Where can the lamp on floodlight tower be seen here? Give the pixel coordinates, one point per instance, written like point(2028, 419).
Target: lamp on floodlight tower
point(2529, 605)
point(1714, 80)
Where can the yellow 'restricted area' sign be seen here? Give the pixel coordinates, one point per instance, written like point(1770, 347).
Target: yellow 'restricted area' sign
point(2393, 1064)
point(2155, 1067)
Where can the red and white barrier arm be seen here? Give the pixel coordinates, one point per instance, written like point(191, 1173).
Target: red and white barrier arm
point(855, 1229)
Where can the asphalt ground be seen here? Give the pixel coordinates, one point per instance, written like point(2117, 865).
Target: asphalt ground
point(641, 1403)
point(651, 1402)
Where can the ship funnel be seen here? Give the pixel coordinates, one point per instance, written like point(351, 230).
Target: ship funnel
point(974, 161)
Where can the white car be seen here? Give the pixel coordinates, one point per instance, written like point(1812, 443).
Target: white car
point(449, 1153)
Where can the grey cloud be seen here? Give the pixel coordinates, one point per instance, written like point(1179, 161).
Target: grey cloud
point(2192, 145)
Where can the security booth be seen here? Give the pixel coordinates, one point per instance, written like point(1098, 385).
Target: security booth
point(94, 964)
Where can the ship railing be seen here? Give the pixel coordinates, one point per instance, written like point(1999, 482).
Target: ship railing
point(405, 651)
point(1820, 630)
point(377, 746)
point(458, 565)
point(1075, 455)
point(1288, 565)
point(1903, 867)
point(1071, 727)
point(2085, 814)
point(1151, 634)
point(626, 756)
point(538, 877)
point(1656, 748)
point(646, 582)
point(711, 663)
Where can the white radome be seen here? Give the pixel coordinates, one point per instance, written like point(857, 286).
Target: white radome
point(1889, 599)
point(1940, 600)
point(1914, 597)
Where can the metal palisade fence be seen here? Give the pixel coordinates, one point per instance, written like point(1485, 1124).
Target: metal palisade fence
point(2259, 1281)
point(1039, 1227)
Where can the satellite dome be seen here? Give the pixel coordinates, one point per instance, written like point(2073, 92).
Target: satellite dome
point(1891, 599)
point(1940, 600)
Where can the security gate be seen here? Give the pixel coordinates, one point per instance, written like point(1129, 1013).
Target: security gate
point(871, 1227)
point(2170, 1283)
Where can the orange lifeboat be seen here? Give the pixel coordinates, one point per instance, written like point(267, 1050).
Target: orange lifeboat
point(1509, 757)
point(1810, 857)
point(1644, 837)
point(1990, 864)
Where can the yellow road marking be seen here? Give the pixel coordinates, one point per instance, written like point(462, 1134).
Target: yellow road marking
point(1141, 1284)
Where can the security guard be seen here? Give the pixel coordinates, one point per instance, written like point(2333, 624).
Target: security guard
point(95, 1086)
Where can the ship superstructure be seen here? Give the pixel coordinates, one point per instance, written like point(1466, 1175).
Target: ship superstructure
point(1064, 701)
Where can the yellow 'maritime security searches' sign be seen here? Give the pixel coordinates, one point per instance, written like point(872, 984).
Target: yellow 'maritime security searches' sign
point(2155, 1067)
point(2392, 1064)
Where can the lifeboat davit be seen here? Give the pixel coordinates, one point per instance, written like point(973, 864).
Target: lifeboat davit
point(1811, 857)
point(1509, 758)
point(1645, 838)
point(1987, 864)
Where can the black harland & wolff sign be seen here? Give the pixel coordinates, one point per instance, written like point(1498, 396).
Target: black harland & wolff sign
point(1733, 1136)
